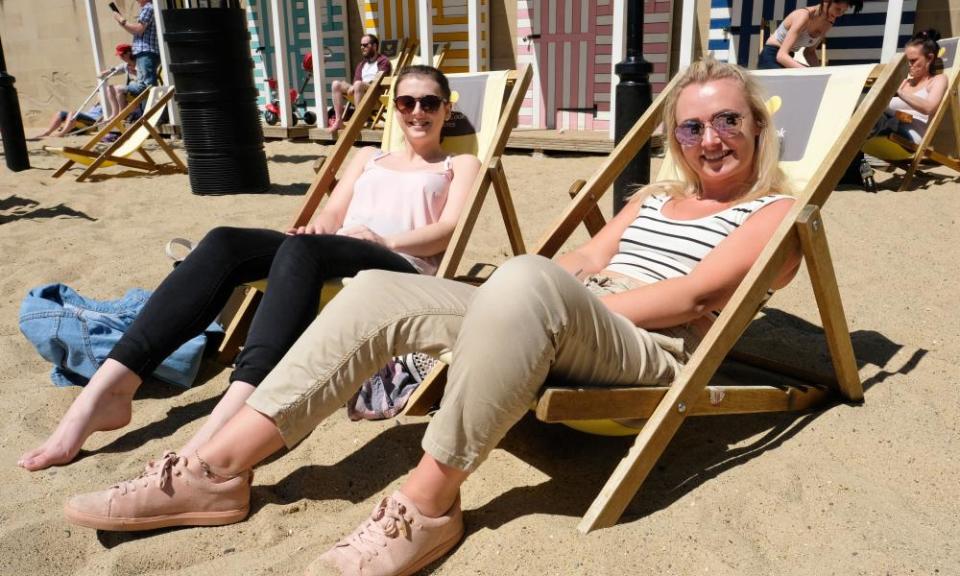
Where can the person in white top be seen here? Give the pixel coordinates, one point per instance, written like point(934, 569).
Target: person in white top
point(803, 29)
point(532, 319)
point(920, 94)
point(373, 61)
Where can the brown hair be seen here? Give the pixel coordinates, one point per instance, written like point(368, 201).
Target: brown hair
point(426, 72)
point(927, 40)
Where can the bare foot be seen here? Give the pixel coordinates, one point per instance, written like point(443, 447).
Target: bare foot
point(105, 404)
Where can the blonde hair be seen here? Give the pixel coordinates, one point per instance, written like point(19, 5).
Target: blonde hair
point(768, 178)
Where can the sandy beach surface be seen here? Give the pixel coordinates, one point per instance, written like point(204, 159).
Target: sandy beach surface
point(866, 489)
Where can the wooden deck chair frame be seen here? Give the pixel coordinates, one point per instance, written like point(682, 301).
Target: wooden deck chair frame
point(491, 173)
point(403, 60)
point(141, 124)
point(925, 150)
point(439, 55)
point(666, 407)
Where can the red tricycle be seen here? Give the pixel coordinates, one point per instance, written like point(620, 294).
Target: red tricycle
point(271, 113)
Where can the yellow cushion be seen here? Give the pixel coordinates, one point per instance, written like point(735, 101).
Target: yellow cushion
point(886, 149)
point(329, 290)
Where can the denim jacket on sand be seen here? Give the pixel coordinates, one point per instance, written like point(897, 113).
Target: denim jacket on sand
point(77, 334)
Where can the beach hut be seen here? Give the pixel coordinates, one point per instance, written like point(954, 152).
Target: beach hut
point(298, 28)
point(393, 19)
point(856, 39)
point(573, 47)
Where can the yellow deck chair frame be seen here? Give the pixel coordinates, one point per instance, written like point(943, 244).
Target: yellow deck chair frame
point(488, 145)
point(903, 153)
point(130, 141)
point(666, 407)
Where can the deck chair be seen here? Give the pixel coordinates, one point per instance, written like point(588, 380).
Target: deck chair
point(815, 157)
point(485, 112)
point(439, 55)
point(902, 153)
point(130, 142)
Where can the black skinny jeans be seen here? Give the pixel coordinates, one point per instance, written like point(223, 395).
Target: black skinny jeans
point(189, 299)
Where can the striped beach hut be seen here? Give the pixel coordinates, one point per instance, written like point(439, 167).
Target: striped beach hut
point(393, 19)
point(569, 44)
point(332, 15)
point(855, 39)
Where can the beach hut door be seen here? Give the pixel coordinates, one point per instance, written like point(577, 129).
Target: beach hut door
point(565, 51)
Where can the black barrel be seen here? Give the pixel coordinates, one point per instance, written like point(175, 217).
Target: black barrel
point(217, 98)
point(11, 123)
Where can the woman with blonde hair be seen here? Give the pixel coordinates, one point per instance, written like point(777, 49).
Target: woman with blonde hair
point(625, 308)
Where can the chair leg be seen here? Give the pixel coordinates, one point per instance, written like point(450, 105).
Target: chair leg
point(813, 242)
point(594, 220)
point(908, 176)
point(236, 330)
point(428, 393)
point(502, 190)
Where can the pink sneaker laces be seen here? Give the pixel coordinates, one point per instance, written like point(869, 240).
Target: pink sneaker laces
point(388, 521)
point(163, 470)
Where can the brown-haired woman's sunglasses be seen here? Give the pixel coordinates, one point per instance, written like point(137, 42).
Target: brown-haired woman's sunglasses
point(428, 103)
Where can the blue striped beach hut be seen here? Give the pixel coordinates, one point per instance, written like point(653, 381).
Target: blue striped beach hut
point(334, 24)
point(855, 39)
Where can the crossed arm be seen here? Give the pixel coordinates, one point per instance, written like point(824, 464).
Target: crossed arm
point(712, 282)
point(929, 104)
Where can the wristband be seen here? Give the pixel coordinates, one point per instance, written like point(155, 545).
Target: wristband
point(123, 22)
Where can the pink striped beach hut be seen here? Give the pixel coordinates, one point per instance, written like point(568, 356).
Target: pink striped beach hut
point(569, 44)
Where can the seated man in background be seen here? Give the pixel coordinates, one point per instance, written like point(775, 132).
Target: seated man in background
point(372, 63)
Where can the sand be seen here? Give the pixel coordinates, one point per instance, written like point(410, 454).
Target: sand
point(869, 489)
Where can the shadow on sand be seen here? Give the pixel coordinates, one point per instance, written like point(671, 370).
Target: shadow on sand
point(15, 208)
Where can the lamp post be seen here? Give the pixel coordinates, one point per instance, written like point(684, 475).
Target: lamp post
point(11, 124)
point(634, 96)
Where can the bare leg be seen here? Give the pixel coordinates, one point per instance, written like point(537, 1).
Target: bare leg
point(110, 103)
point(433, 486)
point(338, 91)
point(54, 124)
point(243, 442)
point(233, 400)
point(105, 404)
point(67, 126)
point(358, 89)
point(118, 94)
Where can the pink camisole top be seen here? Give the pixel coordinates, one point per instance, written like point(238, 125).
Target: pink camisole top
point(391, 202)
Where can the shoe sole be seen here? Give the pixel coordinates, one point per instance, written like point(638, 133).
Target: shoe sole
point(433, 555)
point(154, 522)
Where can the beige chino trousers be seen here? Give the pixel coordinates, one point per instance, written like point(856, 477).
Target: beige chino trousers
point(530, 320)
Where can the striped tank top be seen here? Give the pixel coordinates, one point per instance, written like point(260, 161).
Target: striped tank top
point(655, 247)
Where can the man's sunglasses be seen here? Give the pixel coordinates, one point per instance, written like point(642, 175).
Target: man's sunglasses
point(725, 124)
point(364, 44)
point(428, 103)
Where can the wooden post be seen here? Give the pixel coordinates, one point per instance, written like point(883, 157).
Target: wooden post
point(319, 68)
point(425, 29)
point(93, 26)
point(473, 36)
point(278, 25)
point(891, 30)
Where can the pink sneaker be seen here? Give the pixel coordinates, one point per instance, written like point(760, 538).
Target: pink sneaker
point(397, 540)
point(174, 491)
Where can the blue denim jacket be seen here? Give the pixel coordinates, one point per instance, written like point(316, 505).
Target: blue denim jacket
point(76, 334)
